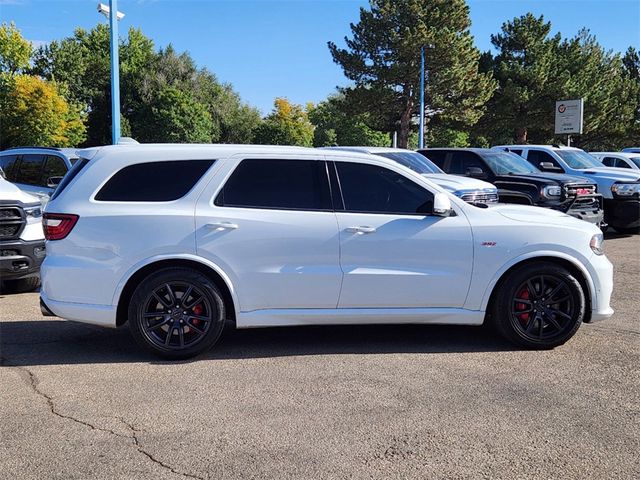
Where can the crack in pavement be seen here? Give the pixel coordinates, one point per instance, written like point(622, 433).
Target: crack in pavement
point(33, 382)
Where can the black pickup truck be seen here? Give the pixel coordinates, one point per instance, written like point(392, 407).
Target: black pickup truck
point(520, 182)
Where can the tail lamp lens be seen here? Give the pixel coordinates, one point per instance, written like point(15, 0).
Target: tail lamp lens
point(58, 225)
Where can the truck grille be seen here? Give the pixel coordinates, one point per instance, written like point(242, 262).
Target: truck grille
point(480, 197)
point(579, 190)
point(11, 222)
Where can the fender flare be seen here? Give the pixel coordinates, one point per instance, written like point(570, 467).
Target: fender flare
point(178, 256)
point(542, 254)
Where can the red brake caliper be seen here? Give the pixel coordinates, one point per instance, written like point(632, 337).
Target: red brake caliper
point(197, 310)
point(523, 317)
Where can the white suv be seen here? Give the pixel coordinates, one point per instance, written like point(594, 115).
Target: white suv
point(175, 239)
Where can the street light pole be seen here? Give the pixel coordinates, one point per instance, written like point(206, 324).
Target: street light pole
point(421, 132)
point(115, 72)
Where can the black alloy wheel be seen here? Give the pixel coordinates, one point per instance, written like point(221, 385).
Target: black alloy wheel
point(539, 305)
point(176, 313)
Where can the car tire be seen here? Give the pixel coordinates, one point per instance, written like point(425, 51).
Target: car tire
point(22, 285)
point(167, 324)
point(539, 305)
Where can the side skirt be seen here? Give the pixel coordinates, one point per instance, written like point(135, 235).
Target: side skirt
point(350, 316)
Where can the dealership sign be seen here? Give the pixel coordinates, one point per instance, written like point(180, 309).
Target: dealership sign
point(569, 116)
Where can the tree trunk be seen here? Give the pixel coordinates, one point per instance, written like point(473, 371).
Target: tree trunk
point(521, 135)
point(405, 125)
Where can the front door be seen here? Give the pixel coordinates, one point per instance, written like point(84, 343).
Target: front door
point(394, 253)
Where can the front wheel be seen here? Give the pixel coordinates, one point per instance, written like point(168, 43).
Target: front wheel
point(628, 230)
point(540, 305)
point(176, 313)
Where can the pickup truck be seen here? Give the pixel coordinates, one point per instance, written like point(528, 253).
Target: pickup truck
point(522, 183)
point(620, 187)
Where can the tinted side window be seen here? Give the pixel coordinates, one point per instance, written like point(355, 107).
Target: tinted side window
point(536, 157)
point(30, 170)
point(436, 157)
point(277, 184)
point(517, 151)
point(154, 181)
point(622, 164)
point(374, 189)
point(609, 161)
point(7, 163)
point(53, 167)
point(461, 161)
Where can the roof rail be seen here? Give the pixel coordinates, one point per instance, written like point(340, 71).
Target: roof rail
point(33, 148)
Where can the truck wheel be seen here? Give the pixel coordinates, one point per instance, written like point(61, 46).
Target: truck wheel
point(22, 285)
point(539, 305)
point(176, 313)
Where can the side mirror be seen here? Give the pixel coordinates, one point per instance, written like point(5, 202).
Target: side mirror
point(52, 182)
point(442, 205)
point(549, 167)
point(476, 172)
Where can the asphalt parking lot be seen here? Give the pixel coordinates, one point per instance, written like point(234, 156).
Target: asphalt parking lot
point(332, 402)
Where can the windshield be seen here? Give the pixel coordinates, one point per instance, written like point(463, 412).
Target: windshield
point(413, 160)
point(578, 159)
point(503, 163)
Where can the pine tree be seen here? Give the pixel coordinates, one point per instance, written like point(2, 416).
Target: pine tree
point(383, 61)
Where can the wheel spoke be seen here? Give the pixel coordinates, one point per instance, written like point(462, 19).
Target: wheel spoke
point(195, 329)
point(167, 339)
point(554, 322)
point(560, 300)
point(200, 317)
point(558, 312)
point(555, 291)
point(183, 299)
point(541, 285)
point(532, 288)
point(172, 297)
point(158, 325)
point(181, 335)
point(162, 300)
point(154, 314)
point(523, 300)
point(540, 326)
point(194, 302)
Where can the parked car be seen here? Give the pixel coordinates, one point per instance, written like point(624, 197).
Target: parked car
point(618, 159)
point(619, 187)
point(21, 238)
point(631, 150)
point(469, 189)
point(37, 170)
point(520, 182)
point(175, 239)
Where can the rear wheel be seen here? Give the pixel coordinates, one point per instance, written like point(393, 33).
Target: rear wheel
point(628, 230)
point(540, 305)
point(176, 313)
point(22, 285)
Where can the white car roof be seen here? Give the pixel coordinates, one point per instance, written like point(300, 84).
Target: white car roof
point(549, 147)
point(617, 154)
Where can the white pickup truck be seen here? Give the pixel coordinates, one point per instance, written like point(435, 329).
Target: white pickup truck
point(21, 238)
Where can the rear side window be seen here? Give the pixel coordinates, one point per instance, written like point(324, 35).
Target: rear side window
point(609, 161)
point(30, 170)
point(436, 156)
point(375, 189)
point(53, 167)
point(536, 157)
point(153, 181)
point(7, 163)
point(277, 184)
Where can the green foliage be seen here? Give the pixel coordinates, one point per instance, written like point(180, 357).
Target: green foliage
point(534, 69)
point(383, 61)
point(15, 51)
point(34, 113)
point(287, 124)
point(335, 126)
point(174, 116)
point(447, 137)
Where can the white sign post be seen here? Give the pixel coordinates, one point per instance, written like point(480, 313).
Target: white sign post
point(569, 118)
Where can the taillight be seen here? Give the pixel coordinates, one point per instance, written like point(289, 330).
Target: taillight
point(58, 225)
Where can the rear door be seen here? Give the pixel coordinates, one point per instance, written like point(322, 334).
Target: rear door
point(393, 253)
point(269, 224)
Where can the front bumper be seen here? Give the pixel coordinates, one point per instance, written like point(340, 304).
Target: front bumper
point(601, 272)
point(623, 213)
point(585, 207)
point(20, 259)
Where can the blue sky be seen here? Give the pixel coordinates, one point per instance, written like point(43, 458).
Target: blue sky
point(270, 48)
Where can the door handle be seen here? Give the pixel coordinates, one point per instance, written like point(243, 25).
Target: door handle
point(361, 229)
point(222, 225)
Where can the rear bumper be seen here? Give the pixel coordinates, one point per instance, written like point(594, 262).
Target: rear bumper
point(102, 315)
point(622, 213)
point(20, 259)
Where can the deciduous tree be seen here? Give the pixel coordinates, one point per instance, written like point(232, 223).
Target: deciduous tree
point(287, 124)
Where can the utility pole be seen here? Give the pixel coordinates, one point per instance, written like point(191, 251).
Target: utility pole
point(421, 127)
point(115, 72)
